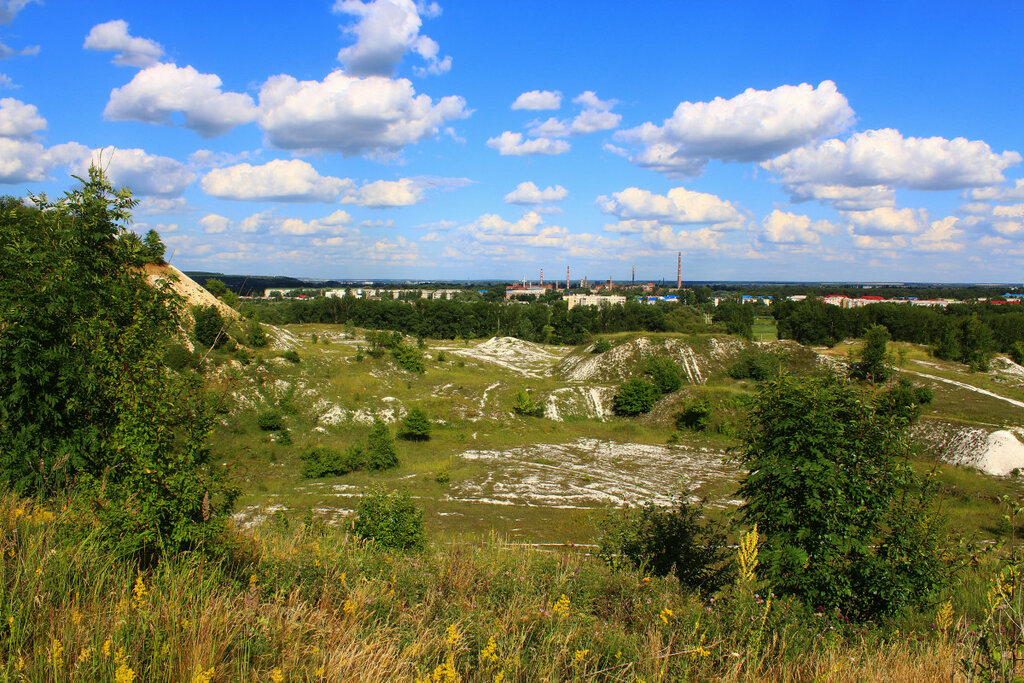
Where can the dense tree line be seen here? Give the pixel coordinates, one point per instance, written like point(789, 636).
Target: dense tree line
point(539, 321)
point(964, 332)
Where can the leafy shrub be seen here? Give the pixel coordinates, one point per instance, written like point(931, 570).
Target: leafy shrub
point(662, 540)
point(209, 329)
point(390, 519)
point(848, 524)
point(696, 416)
point(442, 477)
point(635, 397)
point(755, 364)
point(601, 345)
point(381, 445)
point(1017, 353)
point(874, 364)
point(291, 355)
point(323, 461)
point(87, 399)
point(270, 420)
point(415, 426)
point(523, 404)
point(255, 334)
point(665, 374)
point(441, 357)
point(408, 358)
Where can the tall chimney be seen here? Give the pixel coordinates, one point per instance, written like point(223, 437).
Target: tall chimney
point(634, 276)
point(567, 278)
point(541, 277)
point(679, 271)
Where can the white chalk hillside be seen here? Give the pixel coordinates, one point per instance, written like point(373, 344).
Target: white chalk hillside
point(190, 290)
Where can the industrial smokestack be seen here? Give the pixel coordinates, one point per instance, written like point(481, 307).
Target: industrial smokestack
point(541, 277)
point(567, 278)
point(633, 282)
point(679, 271)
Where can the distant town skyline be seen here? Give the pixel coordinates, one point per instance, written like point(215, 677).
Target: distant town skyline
point(874, 141)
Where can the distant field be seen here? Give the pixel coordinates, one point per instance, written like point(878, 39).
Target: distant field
point(765, 329)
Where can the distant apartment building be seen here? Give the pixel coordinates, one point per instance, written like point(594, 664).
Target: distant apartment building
point(574, 300)
point(517, 290)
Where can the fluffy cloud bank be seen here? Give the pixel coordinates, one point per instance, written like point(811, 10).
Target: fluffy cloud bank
point(529, 193)
point(886, 158)
point(164, 89)
point(352, 116)
point(278, 180)
point(595, 116)
point(384, 32)
point(790, 228)
point(512, 144)
point(113, 36)
point(752, 126)
point(146, 174)
point(678, 206)
point(19, 120)
point(538, 100)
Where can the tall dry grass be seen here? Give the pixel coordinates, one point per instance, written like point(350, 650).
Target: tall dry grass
point(307, 603)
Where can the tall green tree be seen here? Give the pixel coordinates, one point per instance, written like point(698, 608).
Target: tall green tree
point(416, 425)
point(848, 524)
point(874, 363)
point(87, 405)
point(381, 453)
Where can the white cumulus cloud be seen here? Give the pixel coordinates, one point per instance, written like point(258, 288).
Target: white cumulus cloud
point(889, 221)
point(785, 227)
point(752, 126)
point(23, 161)
point(844, 198)
point(384, 32)
point(512, 144)
point(678, 206)
point(350, 115)
point(595, 116)
point(885, 157)
point(19, 120)
point(155, 93)
point(389, 193)
point(998, 193)
point(144, 174)
point(113, 36)
point(528, 193)
point(215, 223)
point(538, 100)
point(283, 181)
point(9, 9)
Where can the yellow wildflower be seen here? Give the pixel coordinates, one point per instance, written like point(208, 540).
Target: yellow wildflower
point(349, 607)
point(185, 623)
point(453, 636)
point(446, 673)
point(748, 554)
point(76, 616)
point(203, 676)
point(106, 648)
point(85, 655)
point(20, 664)
point(10, 621)
point(580, 655)
point(253, 580)
point(276, 676)
point(139, 591)
point(665, 615)
point(124, 674)
point(944, 619)
point(561, 606)
point(56, 654)
point(700, 652)
point(320, 672)
point(487, 654)
point(499, 677)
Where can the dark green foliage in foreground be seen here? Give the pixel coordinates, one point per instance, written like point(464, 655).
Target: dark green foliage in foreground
point(635, 397)
point(415, 425)
point(153, 247)
point(87, 404)
point(664, 540)
point(256, 336)
point(756, 364)
point(665, 374)
point(323, 461)
point(381, 447)
point(523, 404)
point(209, 330)
point(390, 519)
point(847, 524)
point(216, 287)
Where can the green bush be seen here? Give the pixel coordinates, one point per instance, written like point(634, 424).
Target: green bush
point(415, 426)
point(635, 397)
point(874, 364)
point(696, 416)
point(661, 540)
point(88, 402)
point(291, 355)
point(1017, 353)
point(255, 334)
point(381, 446)
point(601, 345)
point(390, 519)
point(209, 329)
point(755, 364)
point(847, 523)
point(323, 461)
point(408, 358)
point(270, 420)
point(523, 404)
point(665, 374)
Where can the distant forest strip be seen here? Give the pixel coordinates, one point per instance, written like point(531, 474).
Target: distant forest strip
point(538, 321)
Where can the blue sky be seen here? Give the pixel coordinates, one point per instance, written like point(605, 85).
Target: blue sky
point(394, 139)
